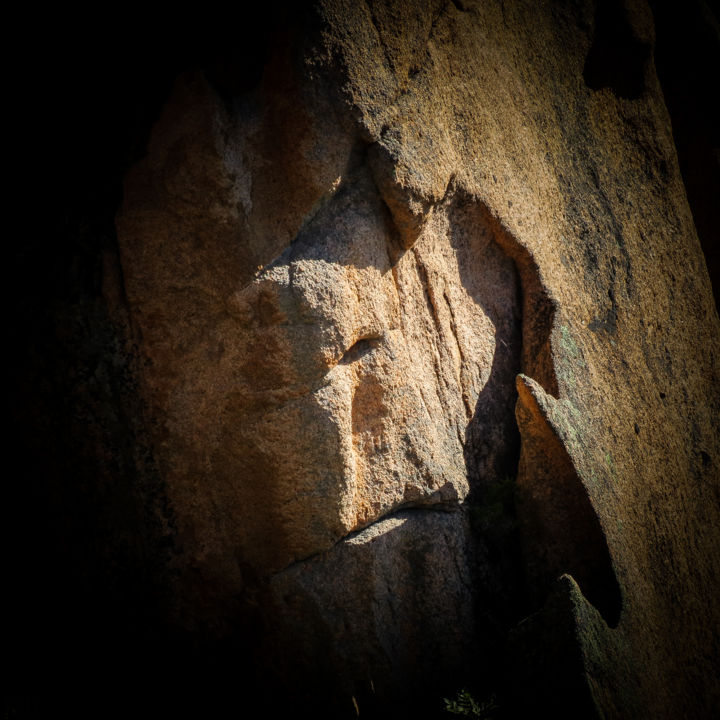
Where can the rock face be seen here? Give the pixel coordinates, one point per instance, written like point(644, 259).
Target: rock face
point(355, 373)
point(426, 351)
point(393, 608)
point(337, 382)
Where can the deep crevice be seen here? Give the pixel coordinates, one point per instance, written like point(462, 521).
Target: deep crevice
point(559, 529)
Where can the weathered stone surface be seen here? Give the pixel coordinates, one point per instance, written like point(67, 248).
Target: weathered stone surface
point(333, 281)
point(370, 645)
point(566, 654)
point(310, 396)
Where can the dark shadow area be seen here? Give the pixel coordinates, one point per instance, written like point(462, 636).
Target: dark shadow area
point(687, 57)
point(490, 278)
point(88, 625)
point(561, 530)
point(545, 663)
point(526, 539)
point(571, 539)
point(617, 58)
point(492, 443)
point(396, 648)
point(537, 307)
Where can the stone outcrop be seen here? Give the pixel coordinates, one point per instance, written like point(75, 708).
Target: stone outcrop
point(334, 280)
point(424, 364)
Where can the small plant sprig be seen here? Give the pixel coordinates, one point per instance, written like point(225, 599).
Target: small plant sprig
point(465, 704)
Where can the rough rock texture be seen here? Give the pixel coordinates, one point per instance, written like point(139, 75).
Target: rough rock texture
point(411, 362)
point(335, 277)
point(304, 398)
point(694, 29)
point(412, 626)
